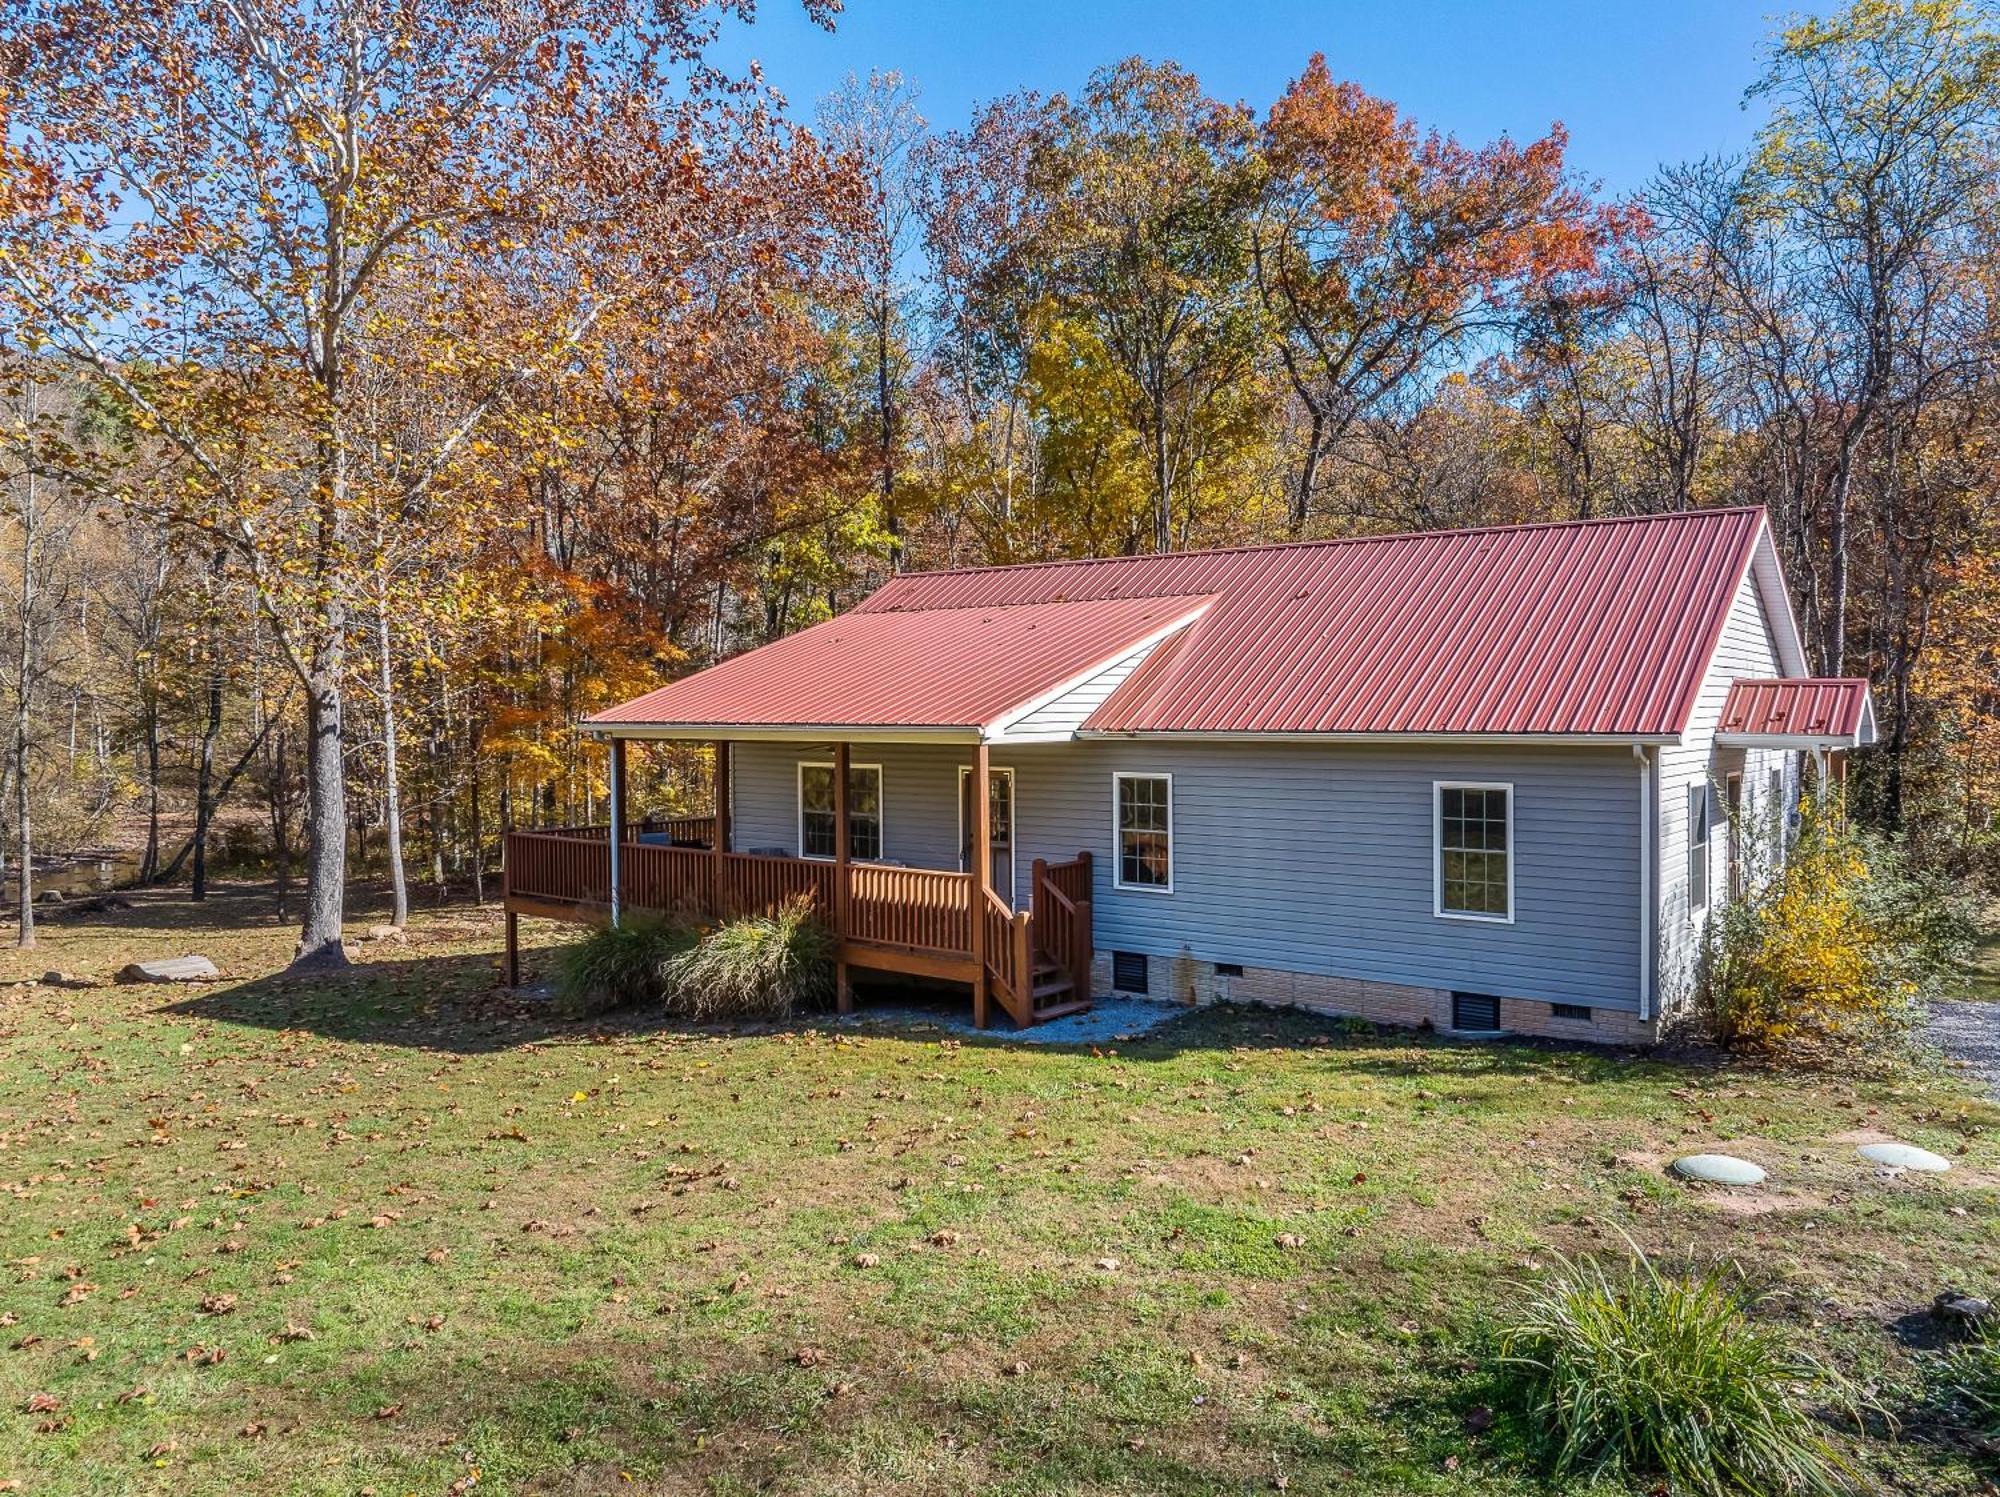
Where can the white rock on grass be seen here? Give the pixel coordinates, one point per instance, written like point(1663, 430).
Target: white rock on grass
point(1718, 1169)
point(1897, 1156)
point(171, 969)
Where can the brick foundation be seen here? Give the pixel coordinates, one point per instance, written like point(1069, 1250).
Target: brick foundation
point(1187, 980)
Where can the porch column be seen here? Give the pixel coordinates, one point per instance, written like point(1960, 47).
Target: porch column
point(843, 993)
point(617, 819)
point(981, 795)
point(720, 800)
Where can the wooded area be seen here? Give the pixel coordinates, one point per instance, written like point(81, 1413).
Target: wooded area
point(389, 386)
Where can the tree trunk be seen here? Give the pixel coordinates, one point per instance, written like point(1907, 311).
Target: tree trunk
point(392, 795)
point(23, 669)
point(26, 855)
point(1308, 475)
point(326, 812)
point(204, 795)
point(281, 822)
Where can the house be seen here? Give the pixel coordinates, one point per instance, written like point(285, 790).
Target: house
point(1491, 779)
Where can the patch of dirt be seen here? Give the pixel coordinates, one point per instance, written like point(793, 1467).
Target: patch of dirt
point(1757, 1200)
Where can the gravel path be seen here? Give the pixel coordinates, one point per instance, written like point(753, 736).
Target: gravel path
point(1969, 1033)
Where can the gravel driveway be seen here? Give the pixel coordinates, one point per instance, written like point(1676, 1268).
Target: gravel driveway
point(1970, 1034)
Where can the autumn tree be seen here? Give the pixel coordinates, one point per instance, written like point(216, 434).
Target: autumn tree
point(1870, 180)
point(1385, 255)
point(1148, 184)
point(218, 212)
point(875, 125)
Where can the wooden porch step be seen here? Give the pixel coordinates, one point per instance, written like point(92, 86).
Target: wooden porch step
point(1061, 1010)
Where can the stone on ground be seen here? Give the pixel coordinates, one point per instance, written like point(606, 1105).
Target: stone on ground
point(171, 969)
point(1897, 1156)
point(56, 979)
point(1718, 1169)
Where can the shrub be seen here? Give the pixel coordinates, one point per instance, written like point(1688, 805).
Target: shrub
point(1642, 1374)
point(616, 967)
point(1833, 952)
point(761, 967)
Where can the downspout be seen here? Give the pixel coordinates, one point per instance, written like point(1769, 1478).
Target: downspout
point(1648, 902)
point(617, 830)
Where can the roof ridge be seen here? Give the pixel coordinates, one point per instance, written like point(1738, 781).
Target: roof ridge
point(1337, 540)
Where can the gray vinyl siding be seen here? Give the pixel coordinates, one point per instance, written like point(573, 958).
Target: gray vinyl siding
point(1300, 857)
point(1745, 648)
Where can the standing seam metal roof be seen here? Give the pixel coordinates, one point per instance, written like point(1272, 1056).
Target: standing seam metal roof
point(1592, 627)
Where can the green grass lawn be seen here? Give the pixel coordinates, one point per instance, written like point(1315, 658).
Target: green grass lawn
point(396, 1231)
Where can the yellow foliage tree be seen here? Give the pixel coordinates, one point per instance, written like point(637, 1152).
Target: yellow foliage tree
point(1809, 965)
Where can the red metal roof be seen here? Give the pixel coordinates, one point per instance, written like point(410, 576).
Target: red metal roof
point(1597, 627)
point(959, 669)
point(1800, 707)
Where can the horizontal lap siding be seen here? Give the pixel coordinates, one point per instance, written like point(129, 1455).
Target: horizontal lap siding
point(1067, 712)
point(1744, 649)
point(1298, 857)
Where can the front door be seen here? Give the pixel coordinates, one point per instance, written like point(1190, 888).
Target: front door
point(1002, 812)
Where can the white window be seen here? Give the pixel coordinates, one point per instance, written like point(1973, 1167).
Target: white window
point(1473, 826)
point(864, 811)
point(1143, 823)
point(1698, 819)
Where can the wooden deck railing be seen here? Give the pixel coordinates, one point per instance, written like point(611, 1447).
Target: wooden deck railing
point(566, 871)
point(923, 908)
point(1062, 914)
point(1010, 964)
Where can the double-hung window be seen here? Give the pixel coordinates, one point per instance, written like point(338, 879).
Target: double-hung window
point(864, 811)
point(1474, 834)
point(1143, 820)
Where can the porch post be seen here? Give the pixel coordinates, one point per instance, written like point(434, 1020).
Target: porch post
point(843, 993)
point(617, 819)
point(981, 795)
point(720, 800)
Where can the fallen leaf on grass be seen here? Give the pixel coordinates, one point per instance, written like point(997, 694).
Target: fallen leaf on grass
point(218, 1304)
point(41, 1403)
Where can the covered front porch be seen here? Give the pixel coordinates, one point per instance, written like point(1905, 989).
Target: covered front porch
point(1021, 941)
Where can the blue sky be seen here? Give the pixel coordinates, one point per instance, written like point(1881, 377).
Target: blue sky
point(1636, 83)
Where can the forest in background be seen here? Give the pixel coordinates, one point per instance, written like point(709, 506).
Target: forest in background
point(388, 385)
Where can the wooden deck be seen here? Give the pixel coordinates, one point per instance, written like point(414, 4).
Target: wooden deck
point(1034, 962)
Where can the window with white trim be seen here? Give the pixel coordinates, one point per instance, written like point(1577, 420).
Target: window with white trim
point(1698, 819)
point(1474, 825)
point(1143, 823)
point(864, 811)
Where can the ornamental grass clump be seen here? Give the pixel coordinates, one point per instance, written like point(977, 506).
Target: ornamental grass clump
point(1643, 1375)
point(618, 966)
point(759, 967)
point(1968, 1386)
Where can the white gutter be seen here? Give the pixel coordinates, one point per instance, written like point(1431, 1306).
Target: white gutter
point(783, 732)
point(1543, 740)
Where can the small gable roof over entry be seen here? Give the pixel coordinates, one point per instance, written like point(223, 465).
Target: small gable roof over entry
point(1798, 712)
point(1594, 629)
